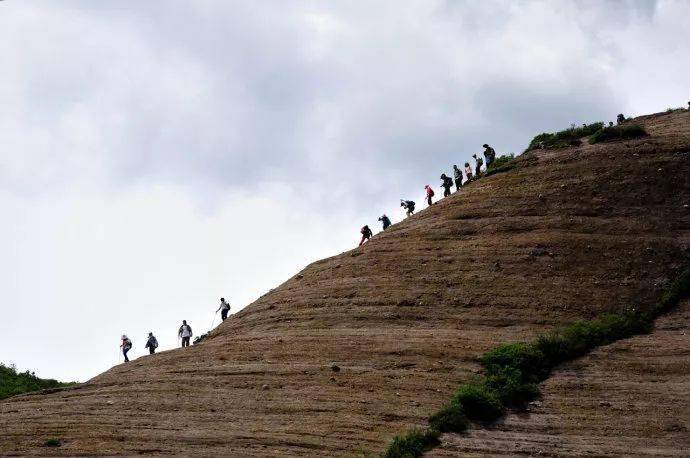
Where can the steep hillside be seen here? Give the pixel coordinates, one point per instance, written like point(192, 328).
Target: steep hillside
point(566, 234)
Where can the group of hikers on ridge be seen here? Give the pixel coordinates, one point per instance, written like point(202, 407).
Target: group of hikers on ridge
point(446, 183)
point(184, 333)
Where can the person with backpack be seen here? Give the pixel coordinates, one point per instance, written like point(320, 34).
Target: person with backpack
point(479, 162)
point(429, 194)
point(385, 221)
point(468, 172)
point(151, 343)
point(185, 332)
point(366, 234)
point(408, 205)
point(489, 154)
point(458, 177)
point(126, 345)
point(224, 309)
point(446, 184)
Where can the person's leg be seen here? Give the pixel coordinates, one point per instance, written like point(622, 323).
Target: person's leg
point(428, 200)
point(223, 314)
point(151, 350)
point(124, 352)
point(457, 185)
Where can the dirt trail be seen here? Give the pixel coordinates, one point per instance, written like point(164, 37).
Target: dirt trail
point(563, 235)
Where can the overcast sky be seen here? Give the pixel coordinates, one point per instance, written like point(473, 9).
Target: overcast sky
point(156, 155)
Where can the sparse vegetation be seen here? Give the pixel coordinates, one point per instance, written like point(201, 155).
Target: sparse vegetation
point(52, 443)
point(13, 382)
point(563, 138)
point(512, 371)
point(200, 338)
point(413, 444)
point(620, 132)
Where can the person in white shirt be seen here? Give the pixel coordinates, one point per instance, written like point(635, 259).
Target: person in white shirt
point(224, 308)
point(185, 333)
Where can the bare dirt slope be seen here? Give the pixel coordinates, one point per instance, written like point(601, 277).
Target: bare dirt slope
point(565, 234)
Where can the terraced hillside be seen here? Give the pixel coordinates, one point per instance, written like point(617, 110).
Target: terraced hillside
point(565, 234)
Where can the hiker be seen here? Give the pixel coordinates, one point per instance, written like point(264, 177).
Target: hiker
point(478, 161)
point(408, 205)
point(429, 194)
point(446, 184)
point(620, 118)
point(185, 333)
point(151, 343)
point(385, 221)
point(224, 309)
point(489, 154)
point(366, 234)
point(126, 345)
point(468, 172)
point(458, 177)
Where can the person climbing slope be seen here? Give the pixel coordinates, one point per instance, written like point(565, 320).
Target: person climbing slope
point(385, 221)
point(366, 234)
point(224, 309)
point(458, 177)
point(468, 172)
point(489, 154)
point(126, 345)
point(446, 184)
point(151, 343)
point(185, 332)
point(429, 194)
point(408, 205)
point(478, 161)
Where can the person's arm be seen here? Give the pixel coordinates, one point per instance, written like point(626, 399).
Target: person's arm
point(190, 330)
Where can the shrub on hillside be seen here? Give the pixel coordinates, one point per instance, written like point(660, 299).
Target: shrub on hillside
point(412, 444)
point(501, 161)
point(563, 138)
point(450, 418)
point(512, 387)
point(13, 382)
point(620, 132)
point(478, 402)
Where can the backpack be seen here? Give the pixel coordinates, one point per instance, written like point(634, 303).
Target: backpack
point(430, 192)
point(410, 204)
point(127, 343)
point(154, 342)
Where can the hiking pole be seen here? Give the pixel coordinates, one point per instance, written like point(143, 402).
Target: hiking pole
point(214, 319)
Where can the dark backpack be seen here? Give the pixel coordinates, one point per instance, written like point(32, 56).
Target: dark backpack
point(410, 204)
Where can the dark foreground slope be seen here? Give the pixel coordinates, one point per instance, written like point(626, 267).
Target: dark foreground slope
point(565, 234)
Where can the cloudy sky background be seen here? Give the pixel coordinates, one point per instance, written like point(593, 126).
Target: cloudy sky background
point(157, 155)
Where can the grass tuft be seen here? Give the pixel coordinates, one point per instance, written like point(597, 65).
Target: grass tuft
point(413, 444)
point(450, 418)
point(52, 443)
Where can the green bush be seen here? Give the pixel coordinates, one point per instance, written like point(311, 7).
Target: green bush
point(512, 388)
point(620, 132)
point(501, 160)
point(413, 444)
point(450, 418)
point(563, 138)
point(523, 356)
point(479, 402)
point(52, 443)
point(13, 382)
point(679, 289)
